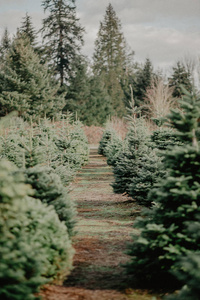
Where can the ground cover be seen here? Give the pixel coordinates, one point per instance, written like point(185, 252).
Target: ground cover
point(104, 227)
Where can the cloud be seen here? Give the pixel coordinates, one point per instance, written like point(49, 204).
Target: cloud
point(135, 11)
point(163, 46)
point(8, 2)
point(163, 30)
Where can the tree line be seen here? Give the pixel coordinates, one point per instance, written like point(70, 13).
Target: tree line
point(43, 79)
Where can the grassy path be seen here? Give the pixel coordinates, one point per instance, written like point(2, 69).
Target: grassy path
point(104, 227)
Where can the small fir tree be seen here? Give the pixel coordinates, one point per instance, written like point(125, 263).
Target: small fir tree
point(149, 170)
point(108, 135)
point(113, 149)
point(136, 145)
point(164, 138)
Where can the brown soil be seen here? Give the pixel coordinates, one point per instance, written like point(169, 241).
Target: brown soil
point(104, 227)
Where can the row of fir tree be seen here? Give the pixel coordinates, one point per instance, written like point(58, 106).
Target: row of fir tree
point(37, 214)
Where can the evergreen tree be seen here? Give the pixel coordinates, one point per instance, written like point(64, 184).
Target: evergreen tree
point(180, 77)
point(4, 47)
point(111, 59)
point(168, 232)
point(26, 84)
point(28, 30)
point(63, 35)
point(144, 79)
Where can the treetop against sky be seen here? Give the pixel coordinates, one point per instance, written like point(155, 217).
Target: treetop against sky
point(162, 30)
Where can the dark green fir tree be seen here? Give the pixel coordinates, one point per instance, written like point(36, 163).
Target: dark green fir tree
point(63, 36)
point(144, 78)
point(28, 30)
point(180, 77)
point(166, 235)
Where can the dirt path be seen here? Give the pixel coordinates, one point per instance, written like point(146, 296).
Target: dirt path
point(103, 229)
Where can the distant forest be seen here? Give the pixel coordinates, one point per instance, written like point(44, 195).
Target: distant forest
point(45, 78)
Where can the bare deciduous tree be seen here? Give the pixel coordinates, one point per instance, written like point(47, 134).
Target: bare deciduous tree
point(159, 99)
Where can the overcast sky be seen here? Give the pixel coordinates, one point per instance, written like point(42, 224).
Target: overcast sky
point(163, 30)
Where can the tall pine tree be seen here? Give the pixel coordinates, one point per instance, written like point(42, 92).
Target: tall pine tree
point(62, 34)
point(5, 44)
point(4, 47)
point(111, 59)
point(28, 30)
